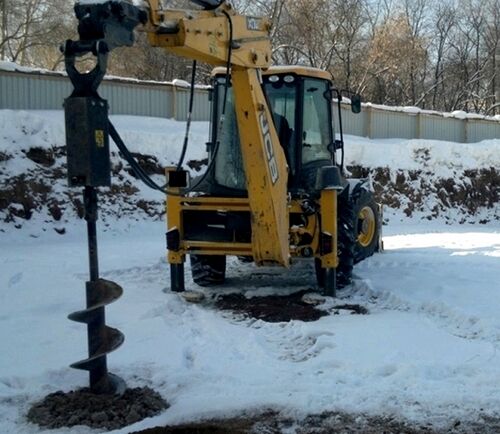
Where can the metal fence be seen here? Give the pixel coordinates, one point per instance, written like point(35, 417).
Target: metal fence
point(379, 123)
point(46, 91)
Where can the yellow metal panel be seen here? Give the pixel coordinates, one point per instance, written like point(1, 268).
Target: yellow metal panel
point(328, 203)
point(303, 71)
point(217, 248)
point(295, 207)
point(223, 204)
point(174, 220)
point(204, 36)
point(266, 170)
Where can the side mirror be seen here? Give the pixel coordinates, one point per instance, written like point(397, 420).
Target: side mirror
point(356, 103)
point(328, 94)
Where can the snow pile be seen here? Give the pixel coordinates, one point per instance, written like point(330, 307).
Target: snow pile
point(430, 179)
point(441, 158)
point(5, 65)
point(427, 179)
point(34, 190)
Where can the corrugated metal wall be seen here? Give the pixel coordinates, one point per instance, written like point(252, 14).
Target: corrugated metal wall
point(32, 91)
point(21, 91)
point(377, 123)
point(36, 91)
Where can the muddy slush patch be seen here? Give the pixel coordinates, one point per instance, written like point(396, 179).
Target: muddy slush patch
point(354, 309)
point(324, 423)
point(272, 308)
point(107, 412)
point(281, 308)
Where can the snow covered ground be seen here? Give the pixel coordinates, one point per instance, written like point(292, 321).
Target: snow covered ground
point(427, 350)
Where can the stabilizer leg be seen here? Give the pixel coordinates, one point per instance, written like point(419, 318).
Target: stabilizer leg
point(177, 277)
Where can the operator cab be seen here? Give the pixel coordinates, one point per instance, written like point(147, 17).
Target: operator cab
point(300, 101)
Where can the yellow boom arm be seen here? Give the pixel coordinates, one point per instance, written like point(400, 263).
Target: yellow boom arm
point(206, 36)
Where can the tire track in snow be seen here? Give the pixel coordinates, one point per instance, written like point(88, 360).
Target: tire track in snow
point(456, 323)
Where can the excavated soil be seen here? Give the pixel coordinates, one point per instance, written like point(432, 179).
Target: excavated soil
point(43, 191)
point(325, 423)
point(107, 412)
point(278, 308)
point(273, 308)
point(467, 193)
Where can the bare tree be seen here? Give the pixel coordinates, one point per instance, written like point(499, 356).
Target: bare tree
point(445, 20)
point(441, 55)
point(391, 72)
point(33, 27)
point(492, 47)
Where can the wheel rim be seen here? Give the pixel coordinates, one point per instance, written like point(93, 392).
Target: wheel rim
point(366, 226)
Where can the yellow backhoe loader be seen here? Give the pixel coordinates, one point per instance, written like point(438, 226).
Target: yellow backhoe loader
point(274, 189)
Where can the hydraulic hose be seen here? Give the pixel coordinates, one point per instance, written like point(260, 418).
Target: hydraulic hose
point(139, 171)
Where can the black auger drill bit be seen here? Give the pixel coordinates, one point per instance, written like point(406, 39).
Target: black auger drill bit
point(102, 27)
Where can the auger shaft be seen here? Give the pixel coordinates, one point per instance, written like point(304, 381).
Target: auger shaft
point(90, 203)
point(89, 166)
point(100, 370)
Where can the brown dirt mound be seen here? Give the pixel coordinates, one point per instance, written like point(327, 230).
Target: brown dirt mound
point(280, 308)
point(467, 192)
point(467, 196)
point(273, 308)
point(106, 412)
point(24, 195)
point(44, 157)
point(215, 427)
point(325, 423)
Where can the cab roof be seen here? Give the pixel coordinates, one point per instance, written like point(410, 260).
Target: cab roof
point(303, 71)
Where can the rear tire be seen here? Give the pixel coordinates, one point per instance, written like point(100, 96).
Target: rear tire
point(366, 225)
point(208, 270)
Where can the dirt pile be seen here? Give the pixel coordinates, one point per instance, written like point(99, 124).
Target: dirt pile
point(107, 412)
point(281, 308)
point(33, 185)
point(325, 423)
point(273, 308)
point(37, 187)
point(467, 196)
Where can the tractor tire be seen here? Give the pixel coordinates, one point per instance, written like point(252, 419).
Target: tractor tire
point(366, 223)
point(208, 270)
point(345, 244)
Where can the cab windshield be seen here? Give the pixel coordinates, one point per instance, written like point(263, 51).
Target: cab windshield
point(303, 142)
point(317, 127)
point(229, 171)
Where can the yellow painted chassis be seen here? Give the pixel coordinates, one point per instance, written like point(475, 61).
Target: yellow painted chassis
point(325, 223)
point(207, 36)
